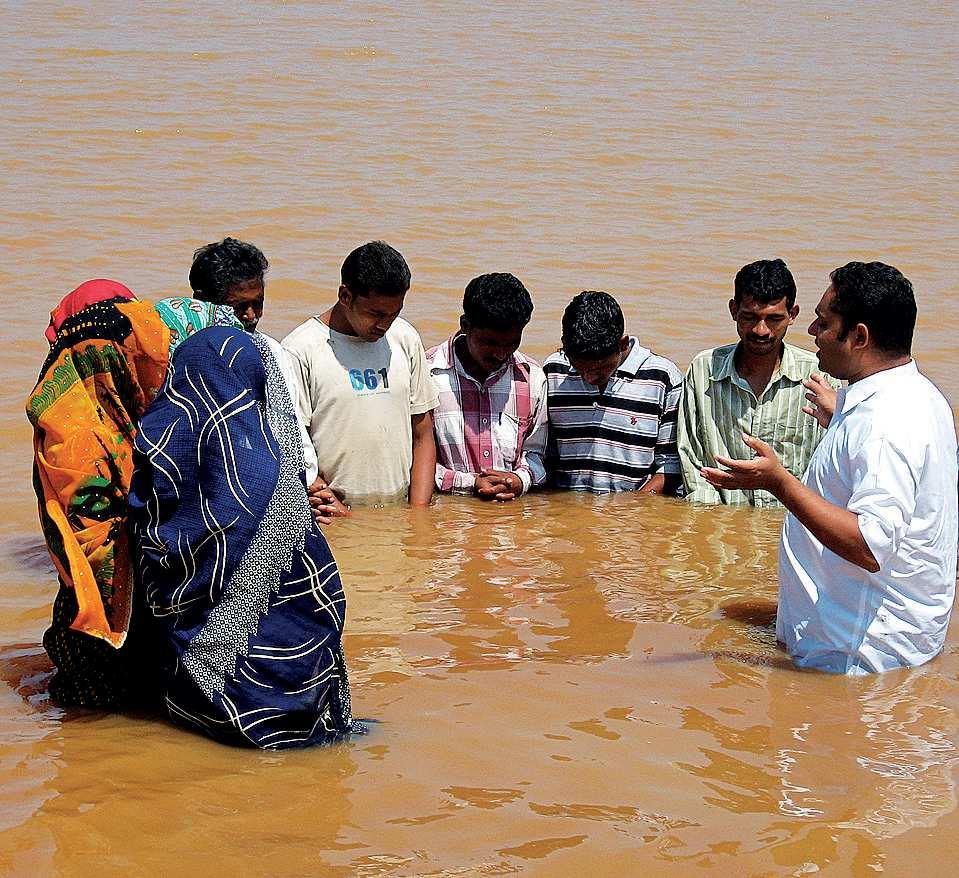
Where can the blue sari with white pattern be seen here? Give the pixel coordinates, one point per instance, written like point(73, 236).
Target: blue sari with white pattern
point(237, 575)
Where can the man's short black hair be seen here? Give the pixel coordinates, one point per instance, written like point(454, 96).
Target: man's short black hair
point(879, 296)
point(220, 266)
point(766, 281)
point(497, 301)
point(375, 268)
point(592, 326)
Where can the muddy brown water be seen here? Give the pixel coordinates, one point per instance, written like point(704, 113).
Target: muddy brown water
point(566, 684)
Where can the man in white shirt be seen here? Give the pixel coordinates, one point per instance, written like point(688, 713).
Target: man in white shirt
point(231, 272)
point(867, 563)
point(365, 390)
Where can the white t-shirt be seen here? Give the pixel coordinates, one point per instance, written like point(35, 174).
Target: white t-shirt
point(889, 455)
point(285, 362)
point(357, 398)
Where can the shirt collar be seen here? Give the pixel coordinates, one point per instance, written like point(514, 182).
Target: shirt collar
point(789, 366)
point(635, 358)
point(442, 355)
point(849, 397)
point(446, 358)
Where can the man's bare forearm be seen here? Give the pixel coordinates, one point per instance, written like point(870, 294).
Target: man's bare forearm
point(836, 528)
point(423, 471)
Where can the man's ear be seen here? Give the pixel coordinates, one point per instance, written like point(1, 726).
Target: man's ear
point(793, 314)
point(861, 337)
point(464, 323)
point(733, 309)
point(624, 344)
point(344, 295)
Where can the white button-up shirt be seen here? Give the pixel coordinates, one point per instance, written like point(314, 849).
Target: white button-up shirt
point(889, 455)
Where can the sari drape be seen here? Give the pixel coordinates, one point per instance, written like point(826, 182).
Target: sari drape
point(108, 358)
point(230, 561)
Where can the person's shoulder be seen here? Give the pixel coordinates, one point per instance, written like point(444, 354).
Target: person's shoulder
point(659, 367)
point(306, 335)
point(556, 364)
point(404, 334)
point(806, 363)
point(710, 359)
point(532, 367)
point(436, 355)
point(806, 360)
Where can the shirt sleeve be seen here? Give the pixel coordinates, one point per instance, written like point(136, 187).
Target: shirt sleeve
point(423, 395)
point(884, 491)
point(290, 373)
point(692, 455)
point(665, 455)
point(531, 468)
point(451, 481)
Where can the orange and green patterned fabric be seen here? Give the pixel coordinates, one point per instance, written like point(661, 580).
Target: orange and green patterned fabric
point(107, 361)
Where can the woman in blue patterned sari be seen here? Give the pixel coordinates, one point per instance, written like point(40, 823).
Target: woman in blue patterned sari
point(232, 565)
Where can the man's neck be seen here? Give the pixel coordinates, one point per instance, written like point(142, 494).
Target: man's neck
point(757, 369)
point(462, 353)
point(872, 367)
point(335, 319)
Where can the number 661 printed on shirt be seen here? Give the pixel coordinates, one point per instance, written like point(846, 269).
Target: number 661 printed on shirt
point(369, 381)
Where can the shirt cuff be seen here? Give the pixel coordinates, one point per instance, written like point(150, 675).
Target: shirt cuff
point(525, 476)
point(878, 537)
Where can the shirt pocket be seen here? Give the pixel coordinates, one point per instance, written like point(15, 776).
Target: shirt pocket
point(507, 429)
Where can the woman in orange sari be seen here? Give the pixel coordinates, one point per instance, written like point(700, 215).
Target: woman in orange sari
point(108, 358)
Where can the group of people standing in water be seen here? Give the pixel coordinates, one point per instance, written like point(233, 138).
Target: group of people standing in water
point(186, 464)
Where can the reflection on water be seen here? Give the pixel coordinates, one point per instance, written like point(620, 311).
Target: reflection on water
point(542, 693)
point(563, 685)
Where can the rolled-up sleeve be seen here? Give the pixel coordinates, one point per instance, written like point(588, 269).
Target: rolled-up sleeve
point(884, 491)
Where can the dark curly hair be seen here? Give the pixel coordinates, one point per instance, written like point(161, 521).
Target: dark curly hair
point(878, 296)
point(497, 301)
point(375, 268)
point(220, 266)
point(766, 281)
point(592, 326)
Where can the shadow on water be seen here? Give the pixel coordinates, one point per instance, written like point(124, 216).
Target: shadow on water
point(27, 670)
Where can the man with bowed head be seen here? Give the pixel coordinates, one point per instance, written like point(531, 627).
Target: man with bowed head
point(491, 422)
point(365, 390)
point(612, 405)
point(232, 273)
point(867, 562)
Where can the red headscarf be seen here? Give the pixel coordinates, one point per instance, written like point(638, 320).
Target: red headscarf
point(86, 294)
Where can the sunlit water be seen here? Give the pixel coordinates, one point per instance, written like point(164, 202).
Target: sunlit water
point(562, 685)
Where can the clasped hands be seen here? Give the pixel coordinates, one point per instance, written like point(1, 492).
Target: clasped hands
point(324, 504)
point(492, 484)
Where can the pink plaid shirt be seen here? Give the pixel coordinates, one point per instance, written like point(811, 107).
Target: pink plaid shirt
point(500, 424)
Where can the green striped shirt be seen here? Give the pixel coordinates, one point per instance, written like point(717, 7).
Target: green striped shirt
point(718, 406)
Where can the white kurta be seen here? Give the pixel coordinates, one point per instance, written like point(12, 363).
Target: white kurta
point(889, 455)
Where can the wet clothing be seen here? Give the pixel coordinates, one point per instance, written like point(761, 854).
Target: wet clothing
point(618, 438)
point(231, 563)
point(889, 455)
point(500, 423)
point(718, 406)
point(108, 357)
point(106, 362)
point(357, 398)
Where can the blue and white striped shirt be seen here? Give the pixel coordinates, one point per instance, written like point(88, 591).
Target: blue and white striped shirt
point(613, 440)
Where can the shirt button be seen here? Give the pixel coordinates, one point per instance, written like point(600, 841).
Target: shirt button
point(595, 405)
point(485, 421)
point(485, 454)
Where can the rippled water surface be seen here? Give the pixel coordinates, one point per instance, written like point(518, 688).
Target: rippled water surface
point(564, 685)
